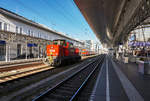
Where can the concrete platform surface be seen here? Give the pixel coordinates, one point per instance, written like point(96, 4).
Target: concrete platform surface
point(121, 82)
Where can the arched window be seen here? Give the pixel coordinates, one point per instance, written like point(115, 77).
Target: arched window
point(0, 25)
point(5, 27)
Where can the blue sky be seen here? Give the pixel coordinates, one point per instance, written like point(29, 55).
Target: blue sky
point(60, 15)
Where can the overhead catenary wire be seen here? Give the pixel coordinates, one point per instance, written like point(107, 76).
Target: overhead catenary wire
point(72, 16)
point(63, 12)
point(44, 18)
point(74, 5)
point(60, 12)
point(69, 16)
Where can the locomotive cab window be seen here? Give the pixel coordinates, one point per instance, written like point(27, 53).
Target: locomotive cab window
point(50, 43)
point(55, 42)
point(62, 43)
point(71, 45)
point(65, 43)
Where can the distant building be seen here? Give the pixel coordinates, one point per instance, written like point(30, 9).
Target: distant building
point(142, 35)
point(92, 46)
point(20, 37)
point(87, 45)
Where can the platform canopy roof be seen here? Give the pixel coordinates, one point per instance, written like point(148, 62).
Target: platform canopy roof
point(101, 15)
point(108, 18)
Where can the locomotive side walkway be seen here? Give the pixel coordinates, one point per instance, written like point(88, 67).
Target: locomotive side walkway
point(121, 82)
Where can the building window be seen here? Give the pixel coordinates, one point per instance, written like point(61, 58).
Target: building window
point(44, 36)
point(8, 27)
point(0, 25)
point(2, 51)
point(5, 27)
point(29, 32)
point(16, 29)
point(20, 30)
point(38, 35)
point(18, 49)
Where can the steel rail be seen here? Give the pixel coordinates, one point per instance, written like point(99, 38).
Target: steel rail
point(20, 73)
point(59, 84)
point(86, 80)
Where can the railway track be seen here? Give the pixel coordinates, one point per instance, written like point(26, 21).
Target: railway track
point(15, 90)
point(16, 71)
point(19, 70)
point(6, 68)
point(69, 88)
point(15, 74)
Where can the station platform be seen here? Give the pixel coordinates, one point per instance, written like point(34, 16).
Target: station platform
point(20, 61)
point(118, 81)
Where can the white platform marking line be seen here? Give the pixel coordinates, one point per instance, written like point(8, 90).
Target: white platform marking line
point(97, 82)
point(130, 90)
point(107, 81)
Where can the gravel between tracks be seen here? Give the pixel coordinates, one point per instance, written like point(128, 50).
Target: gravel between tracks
point(65, 90)
point(28, 87)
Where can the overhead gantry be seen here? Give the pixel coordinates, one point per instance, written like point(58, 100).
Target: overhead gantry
point(113, 20)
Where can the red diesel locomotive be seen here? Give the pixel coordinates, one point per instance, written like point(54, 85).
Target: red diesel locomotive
point(60, 52)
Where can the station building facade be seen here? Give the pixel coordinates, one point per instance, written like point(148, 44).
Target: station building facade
point(23, 38)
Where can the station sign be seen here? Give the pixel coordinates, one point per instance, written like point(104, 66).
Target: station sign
point(139, 44)
point(2, 42)
point(32, 45)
